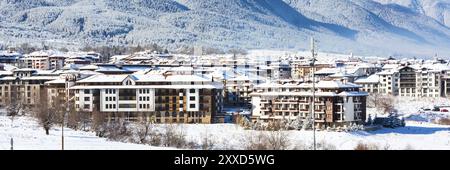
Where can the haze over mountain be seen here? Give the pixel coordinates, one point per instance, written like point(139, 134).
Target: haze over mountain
point(365, 27)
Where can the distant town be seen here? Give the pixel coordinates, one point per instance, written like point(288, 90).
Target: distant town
point(180, 88)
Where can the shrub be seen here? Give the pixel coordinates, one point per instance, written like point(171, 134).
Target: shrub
point(444, 121)
point(365, 146)
point(174, 137)
point(272, 140)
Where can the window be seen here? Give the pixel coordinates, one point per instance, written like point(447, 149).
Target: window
point(148, 98)
point(140, 98)
point(107, 106)
point(87, 99)
point(86, 91)
point(107, 98)
point(192, 106)
point(192, 98)
point(77, 106)
point(192, 91)
point(87, 106)
point(127, 106)
point(114, 98)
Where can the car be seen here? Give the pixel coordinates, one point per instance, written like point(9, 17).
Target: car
point(444, 110)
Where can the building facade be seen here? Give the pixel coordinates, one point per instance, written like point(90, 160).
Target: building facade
point(24, 86)
point(336, 103)
point(165, 99)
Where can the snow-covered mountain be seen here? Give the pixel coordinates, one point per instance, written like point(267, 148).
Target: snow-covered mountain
point(376, 27)
point(437, 9)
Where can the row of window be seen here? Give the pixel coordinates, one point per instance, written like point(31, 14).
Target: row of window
point(110, 91)
point(144, 106)
point(110, 106)
point(144, 98)
point(144, 91)
point(86, 106)
point(110, 99)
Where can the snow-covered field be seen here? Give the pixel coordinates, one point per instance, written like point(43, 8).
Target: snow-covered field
point(418, 134)
point(28, 135)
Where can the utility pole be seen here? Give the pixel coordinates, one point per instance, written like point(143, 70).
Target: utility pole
point(64, 114)
point(313, 115)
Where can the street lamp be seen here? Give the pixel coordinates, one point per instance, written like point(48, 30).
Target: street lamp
point(313, 53)
point(68, 78)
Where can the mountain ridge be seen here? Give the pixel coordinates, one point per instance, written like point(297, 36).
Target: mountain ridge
point(367, 27)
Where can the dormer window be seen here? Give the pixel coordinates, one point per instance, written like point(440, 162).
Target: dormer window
point(128, 82)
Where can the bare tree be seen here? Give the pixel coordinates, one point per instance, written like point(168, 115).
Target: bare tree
point(144, 128)
point(268, 140)
point(256, 142)
point(14, 109)
point(47, 116)
point(73, 119)
point(373, 99)
point(98, 123)
point(365, 146)
point(174, 137)
point(385, 104)
point(85, 119)
point(208, 141)
point(278, 140)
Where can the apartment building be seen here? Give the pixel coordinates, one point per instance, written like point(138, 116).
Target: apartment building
point(43, 60)
point(238, 90)
point(10, 57)
point(370, 84)
point(336, 103)
point(430, 82)
point(389, 82)
point(24, 86)
point(407, 81)
point(164, 98)
point(304, 70)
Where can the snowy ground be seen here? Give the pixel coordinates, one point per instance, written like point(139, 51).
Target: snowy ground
point(419, 133)
point(29, 136)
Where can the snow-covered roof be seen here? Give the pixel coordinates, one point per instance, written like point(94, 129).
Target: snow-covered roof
point(328, 71)
point(9, 54)
point(388, 72)
point(25, 69)
point(117, 58)
point(320, 84)
point(103, 78)
point(390, 66)
point(371, 79)
point(56, 81)
point(353, 93)
point(40, 78)
point(89, 67)
point(144, 78)
point(342, 74)
point(336, 84)
point(45, 53)
point(8, 67)
point(3, 73)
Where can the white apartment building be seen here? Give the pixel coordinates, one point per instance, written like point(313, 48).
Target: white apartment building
point(389, 82)
point(166, 98)
point(336, 102)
